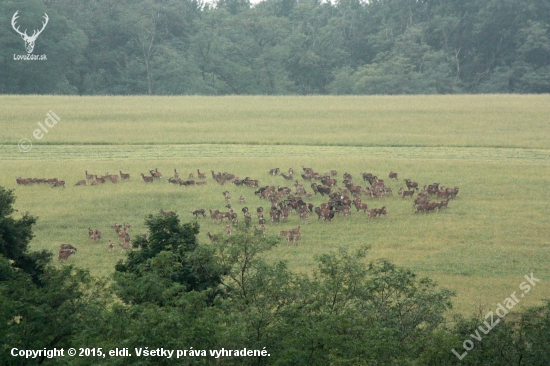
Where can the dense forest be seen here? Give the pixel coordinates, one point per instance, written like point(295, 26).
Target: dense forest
point(168, 47)
point(178, 294)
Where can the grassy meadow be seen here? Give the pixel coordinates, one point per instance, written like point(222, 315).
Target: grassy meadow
point(495, 148)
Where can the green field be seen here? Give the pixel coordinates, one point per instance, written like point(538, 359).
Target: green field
point(495, 148)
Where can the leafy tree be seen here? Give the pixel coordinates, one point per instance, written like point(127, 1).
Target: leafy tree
point(169, 262)
point(15, 236)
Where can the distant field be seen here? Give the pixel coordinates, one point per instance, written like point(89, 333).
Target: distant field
point(481, 121)
point(495, 148)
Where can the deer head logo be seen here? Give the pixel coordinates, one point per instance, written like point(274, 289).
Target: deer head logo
point(29, 41)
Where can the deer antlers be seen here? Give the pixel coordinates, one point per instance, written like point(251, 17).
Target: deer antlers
point(29, 41)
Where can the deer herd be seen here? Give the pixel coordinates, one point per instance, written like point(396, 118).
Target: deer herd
point(283, 201)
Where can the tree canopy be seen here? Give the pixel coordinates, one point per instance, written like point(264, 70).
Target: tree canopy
point(175, 47)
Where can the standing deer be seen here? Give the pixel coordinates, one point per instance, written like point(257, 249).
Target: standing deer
point(64, 254)
point(124, 176)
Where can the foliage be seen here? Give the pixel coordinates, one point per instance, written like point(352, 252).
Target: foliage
point(280, 47)
point(166, 263)
point(15, 236)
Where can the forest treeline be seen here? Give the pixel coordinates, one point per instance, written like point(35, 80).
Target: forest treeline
point(173, 47)
point(174, 293)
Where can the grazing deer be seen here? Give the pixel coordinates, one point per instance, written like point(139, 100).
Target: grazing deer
point(147, 179)
point(213, 239)
point(411, 184)
point(274, 171)
point(295, 230)
point(59, 183)
point(124, 176)
point(114, 178)
point(81, 183)
point(199, 212)
point(304, 215)
point(64, 254)
point(97, 234)
point(111, 246)
point(393, 175)
point(67, 247)
point(408, 193)
point(155, 174)
point(125, 246)
point(166, 213)
point(361, 206)
point(116, 227)
point(289, 238)
point(125, 237)
point(91, 234)
point(241, 199)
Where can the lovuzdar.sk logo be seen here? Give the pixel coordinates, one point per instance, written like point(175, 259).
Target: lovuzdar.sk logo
point(29, 40)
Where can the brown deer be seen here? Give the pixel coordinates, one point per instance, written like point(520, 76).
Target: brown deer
point(124, 176)
point(67, 247)
point(89, 176)
point(201, 175)
point(393, 175)
point(289, 238)
point(81, 183)
point(155, 174)
point(59, 183)
point(166, 213)
point(408, 193)
point(64, 254)
point(411, 184)
point(213, 239)
point(199, 212)
point(147, 179)
point(295, 230)
point(125, 246)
